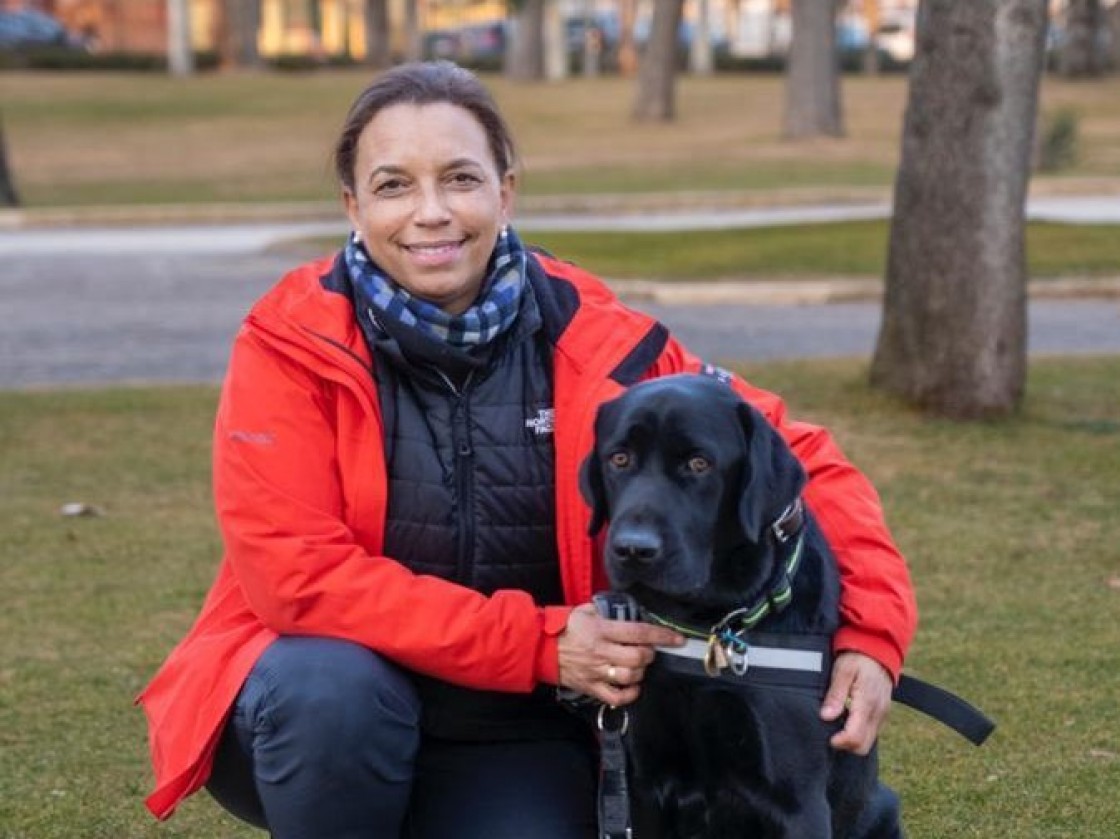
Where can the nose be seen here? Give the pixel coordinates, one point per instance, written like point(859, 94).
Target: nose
point(635, 546)
point(431, 208)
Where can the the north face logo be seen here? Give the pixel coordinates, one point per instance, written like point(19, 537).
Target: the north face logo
point(542, 423)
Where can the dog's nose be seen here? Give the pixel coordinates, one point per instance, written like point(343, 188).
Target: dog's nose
point(636, 546)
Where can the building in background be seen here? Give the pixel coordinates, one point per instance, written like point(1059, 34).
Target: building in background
point(749, 28)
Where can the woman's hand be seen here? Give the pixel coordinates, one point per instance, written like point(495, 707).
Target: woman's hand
point(863, 686)
point(606, 659)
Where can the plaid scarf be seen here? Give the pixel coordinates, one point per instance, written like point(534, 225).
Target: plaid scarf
point(488, 317)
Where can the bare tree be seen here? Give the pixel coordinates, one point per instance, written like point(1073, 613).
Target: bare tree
point(657, 70)
point(701, 60)
point(1114, 36)
point(871, 50)
point(555, 42)
point(180, 57)
point(378, 51)
point(9, 197)
point(239, 27)
point(813, 73)
point(953, 338)
point(1083, 54)
point(592, 46)
point(627, 46)
point(524, 59)
point(413, 31)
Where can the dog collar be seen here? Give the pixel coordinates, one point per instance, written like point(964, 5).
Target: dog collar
point(790, 523)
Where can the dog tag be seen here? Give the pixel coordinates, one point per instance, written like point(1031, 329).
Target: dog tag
point(715, 660)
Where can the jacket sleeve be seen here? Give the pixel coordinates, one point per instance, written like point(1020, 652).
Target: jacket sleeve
point(284, 500)
point(878, 610)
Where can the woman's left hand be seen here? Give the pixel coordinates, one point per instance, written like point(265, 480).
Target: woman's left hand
point(863, 686)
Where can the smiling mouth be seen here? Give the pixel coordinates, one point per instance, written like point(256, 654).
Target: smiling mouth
point(434, 248)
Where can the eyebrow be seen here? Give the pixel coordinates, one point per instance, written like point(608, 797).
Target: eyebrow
point(390, 169)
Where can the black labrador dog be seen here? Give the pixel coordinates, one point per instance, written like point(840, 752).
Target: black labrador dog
point(707, 533)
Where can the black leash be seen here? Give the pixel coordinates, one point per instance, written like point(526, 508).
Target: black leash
point(614, 790)
point(945, 707)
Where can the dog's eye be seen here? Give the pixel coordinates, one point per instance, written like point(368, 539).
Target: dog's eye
point(698, 464)
point(620, 460)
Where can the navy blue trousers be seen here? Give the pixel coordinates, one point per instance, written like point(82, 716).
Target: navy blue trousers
point(324, 743)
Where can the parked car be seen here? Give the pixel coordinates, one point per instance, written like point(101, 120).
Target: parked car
point(897, 40)
point(29, 30)
point(894, 45)
point(477, 45)
point(604, 25)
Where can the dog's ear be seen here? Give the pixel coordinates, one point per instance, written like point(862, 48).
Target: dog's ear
point(593, 491)
point(772, 475)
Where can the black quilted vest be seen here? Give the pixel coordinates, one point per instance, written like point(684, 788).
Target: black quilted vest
point(469, 453)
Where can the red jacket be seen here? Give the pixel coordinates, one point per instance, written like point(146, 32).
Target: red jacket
point(300, 491)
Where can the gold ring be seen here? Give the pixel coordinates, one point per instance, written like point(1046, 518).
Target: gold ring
point(611, 672)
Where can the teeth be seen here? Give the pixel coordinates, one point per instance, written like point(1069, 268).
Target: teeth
point(431, 248)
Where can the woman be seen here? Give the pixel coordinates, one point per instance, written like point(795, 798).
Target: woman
point(407, 568)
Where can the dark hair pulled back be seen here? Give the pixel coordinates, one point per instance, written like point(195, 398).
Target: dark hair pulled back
point(423, 83)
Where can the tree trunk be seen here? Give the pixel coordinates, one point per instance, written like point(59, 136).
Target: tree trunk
point(871, 51)
point(657, 72)
point(953, 337)
point(813, 73)
point(180, 57)
point(701, 61)
point(591, 50)
point(241, 24)
point(627, 48)
point(1082, 55)
point(1114, 30)
point(524, 60)
point(555, 42)
point(8, 195)
point(378, 52)
point(413, 32)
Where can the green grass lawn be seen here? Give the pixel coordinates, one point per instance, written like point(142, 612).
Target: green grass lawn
point(801, 251)
point(1010, 528)
point(857, 248)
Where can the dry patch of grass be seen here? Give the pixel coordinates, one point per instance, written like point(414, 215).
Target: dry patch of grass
point(90, 138)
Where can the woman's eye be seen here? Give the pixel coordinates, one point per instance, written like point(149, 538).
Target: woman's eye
point(620, 460)
point(465, 179)
point(389, 187)
point(698, 464)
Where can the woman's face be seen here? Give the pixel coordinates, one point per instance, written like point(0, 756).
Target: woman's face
point(429, 201)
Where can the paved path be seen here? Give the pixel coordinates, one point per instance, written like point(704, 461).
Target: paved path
point(81, 319)
point(93, 305)
point(253, 237)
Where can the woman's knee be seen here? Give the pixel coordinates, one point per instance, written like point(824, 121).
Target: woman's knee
point(320, 694)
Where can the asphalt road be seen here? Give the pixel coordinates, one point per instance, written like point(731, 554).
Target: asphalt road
point(73, 317)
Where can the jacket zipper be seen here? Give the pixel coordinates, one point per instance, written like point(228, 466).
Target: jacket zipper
point(464, 476)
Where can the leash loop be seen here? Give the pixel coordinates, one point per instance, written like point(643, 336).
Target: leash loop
point(601, 720)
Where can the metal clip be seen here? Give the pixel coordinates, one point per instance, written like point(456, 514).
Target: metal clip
point(737, 653)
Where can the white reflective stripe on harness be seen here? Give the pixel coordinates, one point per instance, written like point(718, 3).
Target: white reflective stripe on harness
point(771, 658)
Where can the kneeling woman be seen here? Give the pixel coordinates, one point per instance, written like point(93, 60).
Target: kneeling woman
point(407, 567)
